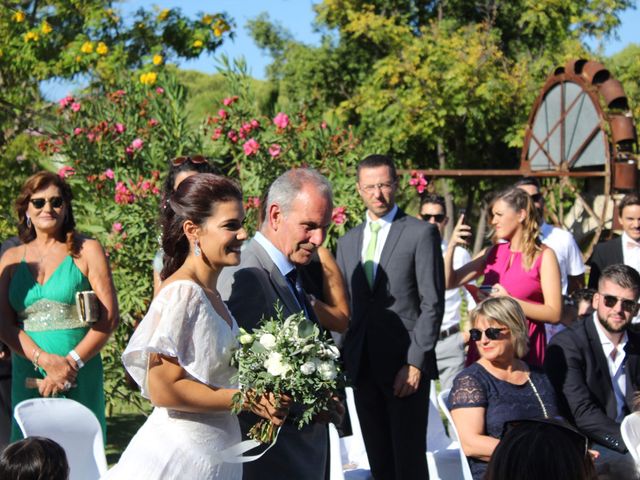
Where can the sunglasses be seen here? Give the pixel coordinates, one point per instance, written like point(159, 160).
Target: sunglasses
point(195, 159)
point(537, 197)
point(438, 217)
point(492, 333)
point(628, 306)
point(55, 202)
point(581, 441)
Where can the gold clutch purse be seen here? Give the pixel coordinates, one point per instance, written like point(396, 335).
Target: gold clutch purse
point(88, 306)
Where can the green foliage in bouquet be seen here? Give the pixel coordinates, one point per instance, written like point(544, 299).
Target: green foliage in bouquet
point(289, 356)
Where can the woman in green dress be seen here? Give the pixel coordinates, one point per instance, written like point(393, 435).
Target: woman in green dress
point(55, 353)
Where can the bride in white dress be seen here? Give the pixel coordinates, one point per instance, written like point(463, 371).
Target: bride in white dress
point(180, 353)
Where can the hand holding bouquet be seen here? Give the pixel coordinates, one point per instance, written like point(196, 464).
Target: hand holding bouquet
point(292, 360)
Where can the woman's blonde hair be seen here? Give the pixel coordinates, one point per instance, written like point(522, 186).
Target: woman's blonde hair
point(506, 312)
point(518, 199)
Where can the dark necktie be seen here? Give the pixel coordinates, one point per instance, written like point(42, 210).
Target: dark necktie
point(292, 278)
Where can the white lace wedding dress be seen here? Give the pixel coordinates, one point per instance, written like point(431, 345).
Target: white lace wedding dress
point(181, 323)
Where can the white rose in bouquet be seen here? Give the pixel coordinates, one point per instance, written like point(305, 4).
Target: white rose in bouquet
point(245, 339)
point(308, 368)
point(275, 366)
point(327, 370)
point(268, 341)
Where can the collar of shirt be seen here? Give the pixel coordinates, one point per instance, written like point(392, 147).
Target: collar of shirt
point(627, 239)
point(545, 230)
point(383, 221)
point(607, 345)
point(279, 258)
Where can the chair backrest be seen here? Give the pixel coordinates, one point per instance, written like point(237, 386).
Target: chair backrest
point(437, 438)
point(630, 429)
point(453, 433)
point(70, 424)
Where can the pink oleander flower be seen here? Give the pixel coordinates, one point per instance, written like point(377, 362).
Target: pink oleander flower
point(418, 181)
point(339, 215)
point(246, 127)
point(222, 113)
point(155, 190)
point(78, 131)
point(146, 185)
point(66, 101)
point(120, 128)
point(75, 106)
point(159, 90)
point(128, 151)
point(66, 171)
point(137, 144)
point(323, 125)
point(233, 136)
point(255, 123)
point(123, 195)
point(252, 202)
point(116, 227)
point(217, 133)
point(281, 120)
point(91, 137)
point(251, 147)
point(119, 93)
point(152, 122)
point(229, 100)
point(109, 174)
point(275, 150)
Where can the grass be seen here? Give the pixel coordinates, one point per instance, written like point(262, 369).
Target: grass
point(122, 425)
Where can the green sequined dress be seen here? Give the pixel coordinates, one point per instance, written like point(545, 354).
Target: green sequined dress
point(47, 313)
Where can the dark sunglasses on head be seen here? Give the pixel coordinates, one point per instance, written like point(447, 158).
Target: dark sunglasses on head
point(438, 217)
point(492, 333)
point(195, 159)
point(55, 202)
point(628, 306)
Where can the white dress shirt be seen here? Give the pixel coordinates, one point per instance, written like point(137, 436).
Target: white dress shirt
point(616, 366)
point(631, 257)
point(383, 233)
point(453, 296)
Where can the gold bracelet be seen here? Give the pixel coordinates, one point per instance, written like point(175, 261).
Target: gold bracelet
point(36, 357)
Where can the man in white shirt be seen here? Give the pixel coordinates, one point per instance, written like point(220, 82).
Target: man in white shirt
point(450, 346)
point(594, 366)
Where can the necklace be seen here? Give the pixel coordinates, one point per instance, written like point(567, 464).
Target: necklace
point(535, 392)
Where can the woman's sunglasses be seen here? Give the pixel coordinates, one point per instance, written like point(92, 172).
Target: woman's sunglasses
point(492, 333)
point(195, 159)
point(628, 306)
point(55, 202)
point(438, 217)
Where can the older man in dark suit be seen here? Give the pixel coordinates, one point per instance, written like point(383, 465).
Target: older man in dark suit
point(393, 268)
point(298, 213)
point(594, 365)
point(624, 249)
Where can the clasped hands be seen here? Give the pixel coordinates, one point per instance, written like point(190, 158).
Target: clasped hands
point(265, 406)
point(61, 374)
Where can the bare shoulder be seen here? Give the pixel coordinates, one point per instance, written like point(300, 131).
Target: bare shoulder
point(88, 246)
point(13, 254)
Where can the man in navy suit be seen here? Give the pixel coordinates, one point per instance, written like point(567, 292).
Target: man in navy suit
point(393, 268)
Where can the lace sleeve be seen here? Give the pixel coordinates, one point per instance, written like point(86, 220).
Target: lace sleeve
point(467, 391)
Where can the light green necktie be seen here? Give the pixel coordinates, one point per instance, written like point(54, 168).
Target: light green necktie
point(370, 254)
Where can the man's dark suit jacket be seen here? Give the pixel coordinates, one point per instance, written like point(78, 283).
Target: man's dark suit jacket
point(604, 254)
point(399, 319)
point(577, 367)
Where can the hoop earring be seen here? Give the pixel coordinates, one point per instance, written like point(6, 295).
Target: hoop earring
point(196, 249)
point(28, 221)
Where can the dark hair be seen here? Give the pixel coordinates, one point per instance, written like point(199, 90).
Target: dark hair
point(435, 199)
point(34, 458)
point(561, 452)
point(187, 166)
point(33, 184)
point(533, 181)
point(195, 200)
point(376, 160)
point(622, 275)
point(627, 201)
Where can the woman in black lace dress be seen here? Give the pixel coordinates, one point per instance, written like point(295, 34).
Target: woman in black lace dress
point(499, 387)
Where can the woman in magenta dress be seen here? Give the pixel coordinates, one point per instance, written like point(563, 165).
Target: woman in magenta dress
point(518, 266)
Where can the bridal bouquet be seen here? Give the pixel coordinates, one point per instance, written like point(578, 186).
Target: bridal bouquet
point(288, 356)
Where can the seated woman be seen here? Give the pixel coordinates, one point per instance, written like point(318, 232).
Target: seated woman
point(499, 387)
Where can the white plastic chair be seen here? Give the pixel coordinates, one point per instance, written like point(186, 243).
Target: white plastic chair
point(443, 457)
point(442, 402)
point(630, 429)
point(70, 424)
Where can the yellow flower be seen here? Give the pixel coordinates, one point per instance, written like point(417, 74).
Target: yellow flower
point(31, 36)
point(157, 59)
point(197, 44)
point(87, 47)
point(102, 48)
point(78, 58)
point(148, 78)
point(207, 19)
point(19, 16)
point(217, 32)
point(162, 16)
point(46, 28)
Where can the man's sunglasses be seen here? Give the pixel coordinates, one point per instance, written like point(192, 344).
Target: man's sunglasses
point(628, 306)
point(492, 333)
point(195, 159)
point(536, 197)
point(55, 202)
point(438, 217)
